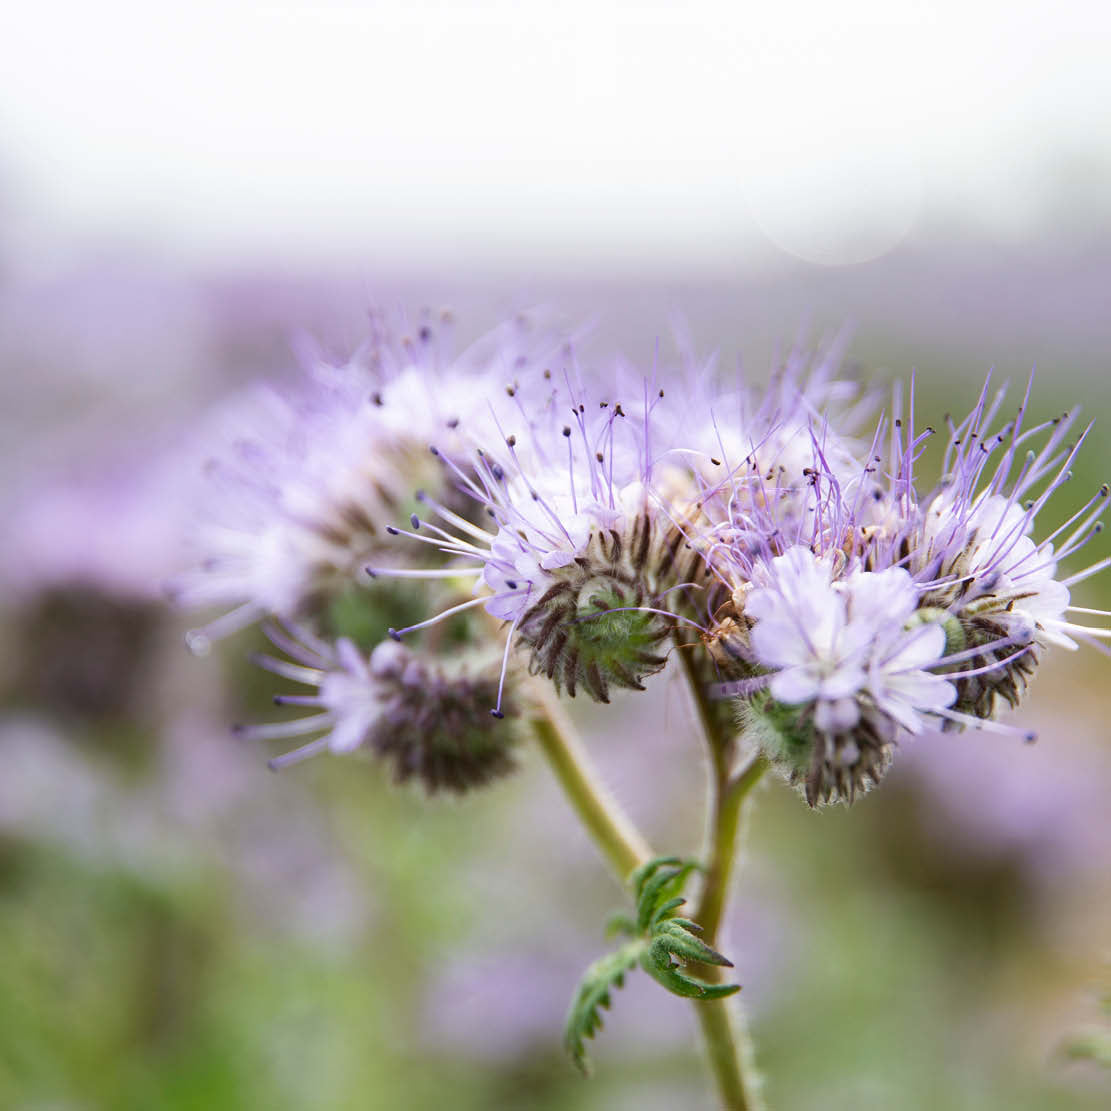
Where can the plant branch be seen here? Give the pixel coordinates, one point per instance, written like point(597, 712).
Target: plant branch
point(624, 848)
point(728, 1045)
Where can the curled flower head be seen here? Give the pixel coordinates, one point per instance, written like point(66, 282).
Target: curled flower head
point(429, 720)
point(897, 611)
point(584, 545)
point(969, 544)
point(302, 483)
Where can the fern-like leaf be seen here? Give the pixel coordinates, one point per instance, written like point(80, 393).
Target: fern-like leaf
point(661, 942)
point(585, 1016)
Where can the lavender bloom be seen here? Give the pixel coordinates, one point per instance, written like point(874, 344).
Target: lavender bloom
point(839, 667)
point(583, 549)
point(755, 451)
point(604, 516)
point(835, 642)
point(304, 484)
point(968, 544)
point(894, 611)
point(431, 721)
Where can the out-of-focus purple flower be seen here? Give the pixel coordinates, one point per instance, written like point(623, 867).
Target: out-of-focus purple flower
point(430, 719)
point(304, 483)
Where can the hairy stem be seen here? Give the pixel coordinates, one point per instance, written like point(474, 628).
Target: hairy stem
point(616, 837)
point(728, 1045)
point(728, 794)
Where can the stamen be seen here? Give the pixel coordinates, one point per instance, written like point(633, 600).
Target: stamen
point(421, 573)
point(738, 688)
point(638, 609)
point(985, 725)
point(310, 676)
point(496, 712)
point(995, 665)
point(277, 730)
point(453, 518)
point(397, 634)
point(297, 755)
point(199, 641)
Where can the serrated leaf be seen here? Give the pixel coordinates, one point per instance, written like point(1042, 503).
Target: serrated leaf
point(585, 1015)
point(677, 939)
point(656, 884)
point(663, 937)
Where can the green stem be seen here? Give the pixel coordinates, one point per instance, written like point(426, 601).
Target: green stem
point(619, 841)
point(729, 794)
point(729, 1050)
point(728, 1045)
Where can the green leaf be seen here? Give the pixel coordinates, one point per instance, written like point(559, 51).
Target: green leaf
point(661, 943)
point(593, 994)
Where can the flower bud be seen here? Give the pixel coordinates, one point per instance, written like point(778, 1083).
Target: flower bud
point(597, 625)
point(828, 767)
point(437, 727)
point(431, 720)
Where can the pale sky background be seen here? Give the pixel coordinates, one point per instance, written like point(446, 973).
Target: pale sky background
point(502, 133)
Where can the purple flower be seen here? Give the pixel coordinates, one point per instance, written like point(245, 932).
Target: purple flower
point(897, 610)
point(430, 719)
point(303, 484)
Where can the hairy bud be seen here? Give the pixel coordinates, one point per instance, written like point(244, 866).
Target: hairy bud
point(431, 720)
point(828, 767)
point(437, 727)
point(599, 624)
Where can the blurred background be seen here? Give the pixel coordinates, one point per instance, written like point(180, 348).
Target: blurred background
point(183, 195)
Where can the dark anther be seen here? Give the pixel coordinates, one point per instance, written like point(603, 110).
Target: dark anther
point(376, 398)
point(394, 634)
point(425, 333)
point(566, 430)
point(414, 520)
point(511, 441)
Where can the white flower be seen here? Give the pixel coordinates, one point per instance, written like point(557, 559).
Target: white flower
point(841, 646)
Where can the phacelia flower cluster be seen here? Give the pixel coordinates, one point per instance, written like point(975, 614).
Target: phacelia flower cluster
point(588, 525)
point(892, 612)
